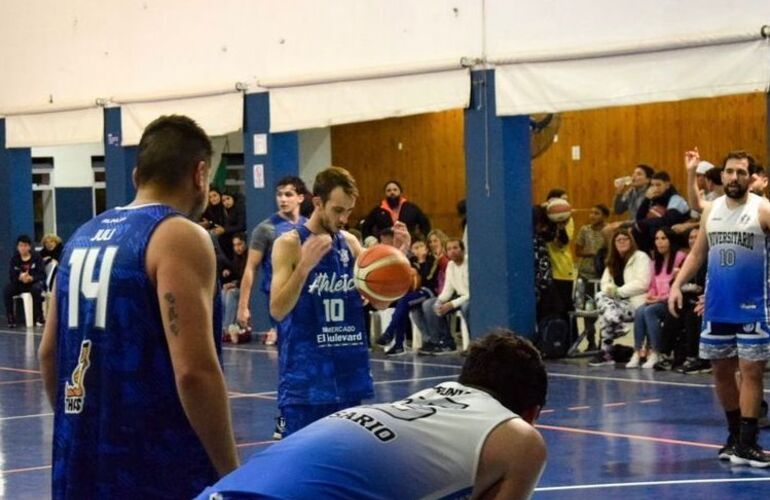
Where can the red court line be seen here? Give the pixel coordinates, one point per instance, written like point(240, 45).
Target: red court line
point(5, 382)
point(626, 436)
point(20, 370)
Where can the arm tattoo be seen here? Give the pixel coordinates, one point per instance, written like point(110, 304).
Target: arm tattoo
point(172, 314)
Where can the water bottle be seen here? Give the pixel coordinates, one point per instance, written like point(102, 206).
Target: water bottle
point(580, 294)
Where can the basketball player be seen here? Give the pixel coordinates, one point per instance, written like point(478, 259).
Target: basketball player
point(289, 194)
point(323, 356)
point(128, 355)
point(735, 320)
point(470, 438)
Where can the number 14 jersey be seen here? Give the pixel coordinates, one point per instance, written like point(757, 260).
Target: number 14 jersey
point(737, 278)
point(119, 427)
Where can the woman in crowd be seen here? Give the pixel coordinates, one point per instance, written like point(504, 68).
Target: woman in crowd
point(235, 221)
point(231, 283)
point(623, 289)
point(213, 218)
point(52, 247)
point(667, 259)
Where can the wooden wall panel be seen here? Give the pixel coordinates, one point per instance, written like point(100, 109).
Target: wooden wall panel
point(430, 162)
point(613, 140)
point(423, 152)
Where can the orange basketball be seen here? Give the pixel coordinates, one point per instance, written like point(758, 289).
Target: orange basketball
point(382, 273)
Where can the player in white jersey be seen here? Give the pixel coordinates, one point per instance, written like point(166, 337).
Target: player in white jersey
point(467, 439)
point(736, 334)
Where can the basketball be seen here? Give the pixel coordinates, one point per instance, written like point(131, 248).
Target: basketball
point(558, 210)
point(382, 274)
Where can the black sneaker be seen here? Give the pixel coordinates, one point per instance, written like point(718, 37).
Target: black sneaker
point(445, 349)
point(280, 428)
point(695, 365)
point(602, 359)
point(395, 351)
point(728, 450)
point(750, 455)
point(663, 365)
point(384, 339)
point(428, 350)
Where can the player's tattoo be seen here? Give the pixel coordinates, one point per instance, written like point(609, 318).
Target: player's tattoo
point(172, 314)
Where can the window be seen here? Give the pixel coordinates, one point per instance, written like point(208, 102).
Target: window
point(235, 180)
point(99, 186)
point(43, 197)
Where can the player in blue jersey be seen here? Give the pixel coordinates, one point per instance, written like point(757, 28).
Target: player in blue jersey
point(290, 191)
point(473, 438)
point(323, 355)
point(736, 329)
point(128, 356)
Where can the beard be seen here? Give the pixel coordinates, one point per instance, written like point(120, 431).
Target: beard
point(393, 201)
point(735, 191)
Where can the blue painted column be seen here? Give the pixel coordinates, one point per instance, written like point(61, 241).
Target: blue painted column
point(278, 157)
point(15, 199)
point(119, 161)
point(499, 191)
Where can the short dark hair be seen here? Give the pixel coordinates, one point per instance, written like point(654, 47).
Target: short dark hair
point(758, 170)
point(333, 177)
point(385, 186)
point(388, 231)
point(292, 180)
point(240, 235)
point(648, 170)
point(214, 189)
point(170, 148)
point(603, 209)
point(23, 238)
point(662, 176)
point(714, 174)
point(509, 367)
point(740, 154)
point(555, 193)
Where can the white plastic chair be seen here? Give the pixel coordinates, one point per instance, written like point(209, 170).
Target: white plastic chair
point(26, 299)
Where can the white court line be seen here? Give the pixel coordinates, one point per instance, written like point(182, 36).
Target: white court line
point(634, 381)
point(267, 394)
point(18, 417)
point(652, 483)
point(21, 332)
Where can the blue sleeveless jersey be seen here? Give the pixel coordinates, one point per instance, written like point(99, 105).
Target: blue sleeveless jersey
point(323, 353)
point(280, 226)
point(737, 281)
point(119, 427)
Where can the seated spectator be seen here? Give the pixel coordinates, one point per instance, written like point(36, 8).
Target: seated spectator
point(231, 283)
point(395, 207)
point(759, 179)
point(386, 236)
point(52, 248)
point(213, 218)
point(590, 241)
point(663, 207)
point(623, 289)
point(667, 259)
point(455, 294)
point(682, 333)
point(426, 267)
point(629, 194)
point(437, 240)
point(235, 221)
point(26, 272)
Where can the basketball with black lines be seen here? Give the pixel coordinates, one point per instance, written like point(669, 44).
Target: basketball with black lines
point(382, 273)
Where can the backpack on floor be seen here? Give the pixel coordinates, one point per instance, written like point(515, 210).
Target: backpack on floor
point(552, 339)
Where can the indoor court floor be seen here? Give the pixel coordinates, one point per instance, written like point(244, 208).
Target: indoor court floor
point(611, 433)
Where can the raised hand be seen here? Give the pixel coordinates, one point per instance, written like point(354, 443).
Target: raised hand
point(691, 159)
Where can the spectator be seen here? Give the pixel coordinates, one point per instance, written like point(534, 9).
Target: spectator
point(462, 211)
point(623, 288)
point(386, 236)
point(543, 274)
point(52, 247)
point(437, 240)
point(395, 207)
point(26, 272)
point(629, 194)
point(714, 188)
point(758, 184)
point(231, 282)
point(454, 295)
point(662, 207)
point(235, 221)
point(213, 218)
point(667, 259)
point(426, 267)
point(590, 241)
point(558, 237)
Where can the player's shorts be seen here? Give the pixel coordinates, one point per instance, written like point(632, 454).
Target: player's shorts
point(749, 341)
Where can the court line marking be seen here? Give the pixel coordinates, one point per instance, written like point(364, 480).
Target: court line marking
point(19, 417)
point(19, 370)
point(638, 437)
point(17, 332)
point(652, 483)
point(6, 382)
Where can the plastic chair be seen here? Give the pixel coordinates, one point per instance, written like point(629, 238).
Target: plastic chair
point(26, 299)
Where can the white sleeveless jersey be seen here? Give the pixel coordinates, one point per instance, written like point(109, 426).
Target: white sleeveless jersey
point(737, 278)
point(425, 446)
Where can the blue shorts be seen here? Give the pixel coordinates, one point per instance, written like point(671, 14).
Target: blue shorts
point(749, 341)
point(299, 416)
